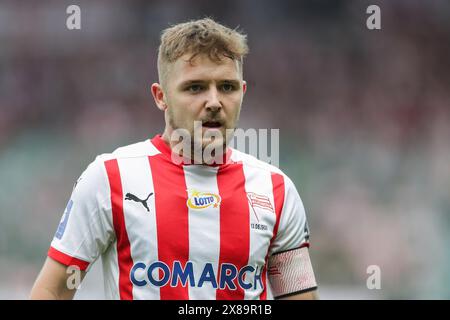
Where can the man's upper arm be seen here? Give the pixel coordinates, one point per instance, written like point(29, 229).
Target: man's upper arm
point(85, 231)
point(52, 282)
point(290, 270)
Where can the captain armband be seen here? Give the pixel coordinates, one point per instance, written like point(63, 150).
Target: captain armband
point(290, 272)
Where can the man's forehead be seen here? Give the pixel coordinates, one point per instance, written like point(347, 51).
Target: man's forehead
point(201, 66)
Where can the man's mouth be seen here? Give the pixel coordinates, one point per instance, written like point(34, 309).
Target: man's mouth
point(212, 124)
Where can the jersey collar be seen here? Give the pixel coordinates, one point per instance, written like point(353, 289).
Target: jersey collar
point(165, 149)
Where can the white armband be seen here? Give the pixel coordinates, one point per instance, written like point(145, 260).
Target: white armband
point(290, 272)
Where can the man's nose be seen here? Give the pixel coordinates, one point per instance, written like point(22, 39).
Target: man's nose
point(213, 102)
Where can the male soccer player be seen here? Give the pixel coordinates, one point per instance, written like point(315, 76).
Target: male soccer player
point(167, 228)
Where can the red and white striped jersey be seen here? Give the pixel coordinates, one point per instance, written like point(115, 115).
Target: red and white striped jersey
point(174, 231)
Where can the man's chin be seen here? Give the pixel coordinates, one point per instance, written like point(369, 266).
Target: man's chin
point(213, 136)
point(213, 144)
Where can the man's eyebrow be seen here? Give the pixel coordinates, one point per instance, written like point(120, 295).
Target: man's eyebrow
point(232, 81)
point(196, 81)
point(193, 81)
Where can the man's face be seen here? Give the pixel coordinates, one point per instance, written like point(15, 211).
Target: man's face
point(206, 91)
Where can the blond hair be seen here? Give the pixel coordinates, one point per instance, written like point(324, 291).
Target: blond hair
point(204, 36)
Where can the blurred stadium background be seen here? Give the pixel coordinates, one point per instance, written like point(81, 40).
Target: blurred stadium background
point(364, 119)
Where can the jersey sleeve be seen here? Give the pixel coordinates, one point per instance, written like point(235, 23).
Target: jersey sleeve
point(293, 229)
point(85, 230)
point(289, 266)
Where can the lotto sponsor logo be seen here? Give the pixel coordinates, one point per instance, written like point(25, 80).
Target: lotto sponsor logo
point(201, 200)
point(159, 274)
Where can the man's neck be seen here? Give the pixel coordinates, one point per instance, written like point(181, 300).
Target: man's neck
point(192, 158)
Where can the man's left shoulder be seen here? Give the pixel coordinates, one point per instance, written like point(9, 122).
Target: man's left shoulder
point(249, 160)
point(263, 167)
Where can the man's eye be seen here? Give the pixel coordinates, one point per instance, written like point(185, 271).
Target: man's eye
point(195, 88)
point(227, 87)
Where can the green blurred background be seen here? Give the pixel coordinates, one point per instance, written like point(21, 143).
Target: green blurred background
point(364, 119)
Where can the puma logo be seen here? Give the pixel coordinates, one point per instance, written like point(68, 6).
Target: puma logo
point(132, 197)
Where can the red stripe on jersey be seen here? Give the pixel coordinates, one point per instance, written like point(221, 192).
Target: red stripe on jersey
point(234, 225)
point(171, 220)
point(123, 243)
point(66, 259)
point(278, 196)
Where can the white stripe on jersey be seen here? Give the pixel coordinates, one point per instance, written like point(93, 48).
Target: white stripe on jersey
point(140, 224)
point(258, 181)
point(204, 243)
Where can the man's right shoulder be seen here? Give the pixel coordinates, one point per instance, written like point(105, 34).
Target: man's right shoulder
point(139, 149)
point(96, 169)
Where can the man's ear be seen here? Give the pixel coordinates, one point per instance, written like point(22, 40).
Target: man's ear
point(244, 86)
point(158, 95)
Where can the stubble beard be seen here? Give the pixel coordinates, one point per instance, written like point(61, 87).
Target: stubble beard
point(198, 143)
